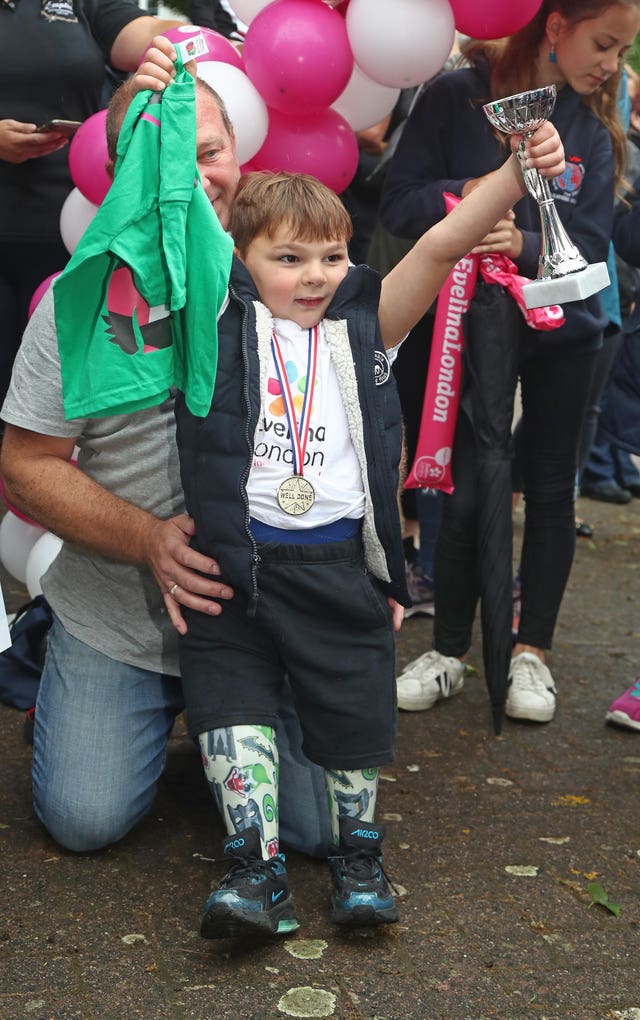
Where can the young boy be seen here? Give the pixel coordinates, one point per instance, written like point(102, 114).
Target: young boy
point(292, 482)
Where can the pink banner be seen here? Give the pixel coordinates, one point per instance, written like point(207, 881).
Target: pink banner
point(431, 468)
point(501, 270)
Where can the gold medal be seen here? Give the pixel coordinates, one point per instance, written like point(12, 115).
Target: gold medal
point(295, 495)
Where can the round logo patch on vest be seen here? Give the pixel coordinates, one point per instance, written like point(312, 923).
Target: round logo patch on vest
point(381, 368)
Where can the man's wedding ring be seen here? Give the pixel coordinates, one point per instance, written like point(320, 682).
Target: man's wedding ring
point(172, 590)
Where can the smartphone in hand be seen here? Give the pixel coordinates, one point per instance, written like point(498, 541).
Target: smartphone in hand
point(65, 127)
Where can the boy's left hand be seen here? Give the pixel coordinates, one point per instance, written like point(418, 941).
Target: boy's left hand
point(157, 69)
point(544, 150)
point(398, 613)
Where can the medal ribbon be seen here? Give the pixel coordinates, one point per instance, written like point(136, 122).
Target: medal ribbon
point(299, 430)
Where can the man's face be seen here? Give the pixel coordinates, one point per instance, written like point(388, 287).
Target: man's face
point(216, 156)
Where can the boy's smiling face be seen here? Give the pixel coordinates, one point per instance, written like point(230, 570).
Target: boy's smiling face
point(296, 279)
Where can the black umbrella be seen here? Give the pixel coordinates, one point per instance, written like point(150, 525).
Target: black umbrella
point(493, 327)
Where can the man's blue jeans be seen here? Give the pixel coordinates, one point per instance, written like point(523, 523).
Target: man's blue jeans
point(100, 745)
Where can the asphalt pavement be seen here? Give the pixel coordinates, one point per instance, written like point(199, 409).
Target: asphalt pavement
point(494, 841)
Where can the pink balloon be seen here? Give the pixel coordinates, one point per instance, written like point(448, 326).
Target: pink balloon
point(123, 298)
point(323, 145)
point(40, 292)
point(493, 19)
point(218, 48)
point(87, 157)
point(297, 54)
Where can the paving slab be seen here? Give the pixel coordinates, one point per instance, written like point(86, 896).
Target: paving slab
point(494, 841)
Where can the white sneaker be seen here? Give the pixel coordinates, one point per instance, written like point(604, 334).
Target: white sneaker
point(427, 679)
point(531, 690)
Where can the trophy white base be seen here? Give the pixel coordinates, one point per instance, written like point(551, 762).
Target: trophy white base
point(572, 287)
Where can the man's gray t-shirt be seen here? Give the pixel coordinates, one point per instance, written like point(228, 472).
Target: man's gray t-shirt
point(116, 608)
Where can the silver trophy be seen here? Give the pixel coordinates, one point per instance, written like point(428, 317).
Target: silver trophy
point(563, 274)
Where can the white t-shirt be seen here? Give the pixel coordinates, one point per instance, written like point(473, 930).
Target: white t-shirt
point(330, 465)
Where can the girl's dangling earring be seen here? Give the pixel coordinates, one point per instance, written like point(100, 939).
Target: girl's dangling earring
point(552, 54)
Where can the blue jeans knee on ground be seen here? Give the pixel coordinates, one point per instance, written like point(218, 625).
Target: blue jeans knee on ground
point(100, 746)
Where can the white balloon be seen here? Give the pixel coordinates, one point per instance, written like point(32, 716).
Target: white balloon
point(365, 102)
point(246, 10)
point(17, 539)
point(245, 106)
point(39, 560)
point(403, 43)
point(75, 216)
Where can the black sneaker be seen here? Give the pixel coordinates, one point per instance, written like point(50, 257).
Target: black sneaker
point(253, 897)
point(361, 893)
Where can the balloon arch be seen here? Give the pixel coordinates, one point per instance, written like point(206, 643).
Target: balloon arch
point(311, 73)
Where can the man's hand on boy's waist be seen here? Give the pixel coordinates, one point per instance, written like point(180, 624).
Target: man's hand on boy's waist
point(179, 569)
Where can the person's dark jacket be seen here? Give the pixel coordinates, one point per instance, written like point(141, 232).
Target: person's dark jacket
point(626, 231)
point(50, 67)
point(620, 411)
point(448, 140)
point(216, 452)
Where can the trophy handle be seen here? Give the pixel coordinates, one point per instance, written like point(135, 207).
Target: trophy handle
point(537, 186)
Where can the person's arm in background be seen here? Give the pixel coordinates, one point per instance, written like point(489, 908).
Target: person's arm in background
point(372, 140)
point(20, 142)
point(134, 38)
point(626, 229)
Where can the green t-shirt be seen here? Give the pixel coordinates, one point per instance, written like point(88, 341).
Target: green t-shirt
point(137, 305)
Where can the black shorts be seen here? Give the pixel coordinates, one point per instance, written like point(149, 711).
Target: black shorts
point(323, 621)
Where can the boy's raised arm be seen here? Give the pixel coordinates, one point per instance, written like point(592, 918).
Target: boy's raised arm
point(411, 286)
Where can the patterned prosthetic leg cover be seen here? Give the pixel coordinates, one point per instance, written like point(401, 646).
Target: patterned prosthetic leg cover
point(241, 765)
point(352, 794)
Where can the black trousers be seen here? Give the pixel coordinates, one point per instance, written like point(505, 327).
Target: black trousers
point(555, 389)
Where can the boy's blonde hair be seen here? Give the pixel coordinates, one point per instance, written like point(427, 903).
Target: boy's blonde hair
point(266, 200)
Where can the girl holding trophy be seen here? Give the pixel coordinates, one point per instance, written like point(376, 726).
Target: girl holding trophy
point(448, 146)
